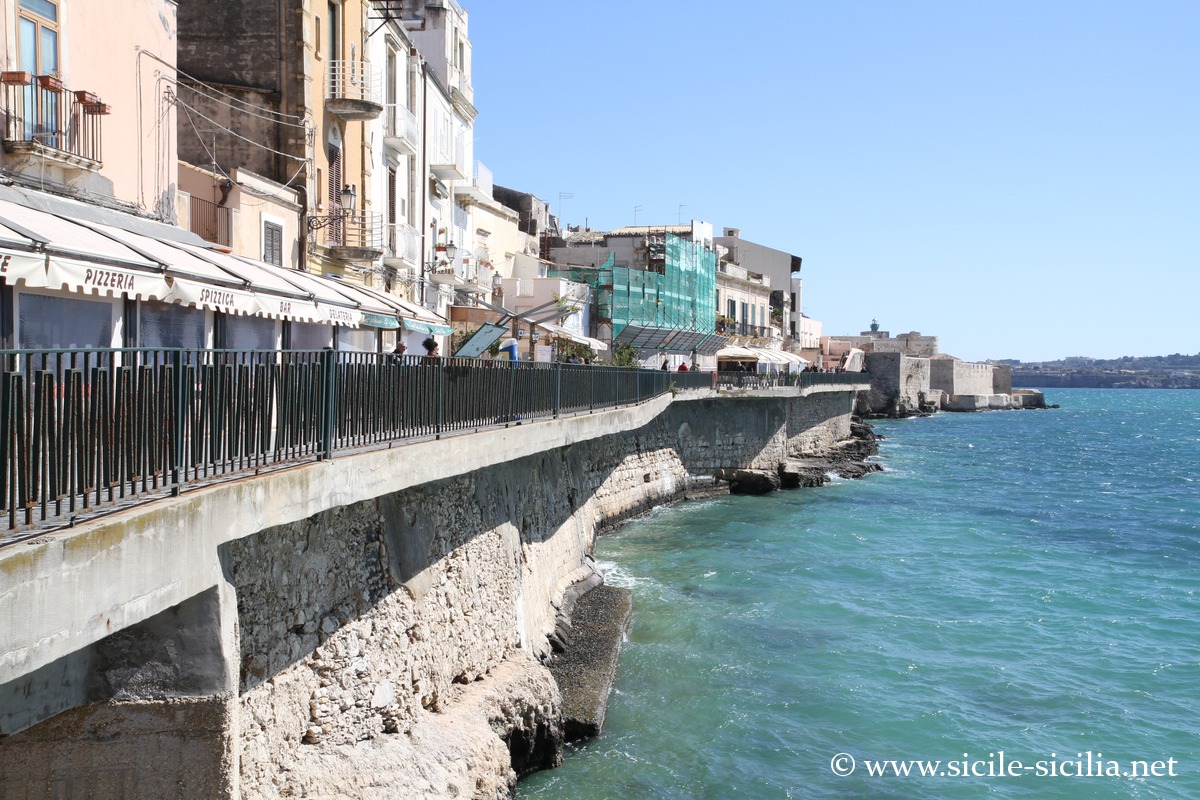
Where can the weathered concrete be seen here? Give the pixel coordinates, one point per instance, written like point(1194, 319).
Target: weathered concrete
point(337, 618)
point(586, 668)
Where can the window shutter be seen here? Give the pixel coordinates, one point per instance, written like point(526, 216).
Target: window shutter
point(273, 243)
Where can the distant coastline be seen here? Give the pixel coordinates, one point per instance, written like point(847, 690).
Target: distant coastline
point(1175, 371)
point(1096, 379)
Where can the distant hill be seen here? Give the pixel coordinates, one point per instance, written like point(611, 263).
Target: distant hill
point(1175, 371)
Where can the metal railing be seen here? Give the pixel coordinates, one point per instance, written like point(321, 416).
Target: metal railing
point(733, 379)
point(85, 430)
point(351, 229)
point(38, 110)
point(401, 123)
point(354, 80)
point(211, 222)
point(403, 242)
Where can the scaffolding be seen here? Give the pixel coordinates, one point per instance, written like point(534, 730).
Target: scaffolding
point(670, 305)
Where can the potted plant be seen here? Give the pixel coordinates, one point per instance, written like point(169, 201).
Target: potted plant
point(51, 83)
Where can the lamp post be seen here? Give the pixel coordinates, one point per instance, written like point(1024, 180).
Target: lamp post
point(348, 199)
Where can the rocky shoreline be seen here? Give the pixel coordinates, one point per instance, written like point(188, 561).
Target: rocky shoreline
point(848, 459)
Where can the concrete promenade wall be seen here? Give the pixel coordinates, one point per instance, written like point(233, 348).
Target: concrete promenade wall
point(368, 622)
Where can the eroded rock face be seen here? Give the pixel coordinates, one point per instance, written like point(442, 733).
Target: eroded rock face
point(750, 481)
point(488, 731)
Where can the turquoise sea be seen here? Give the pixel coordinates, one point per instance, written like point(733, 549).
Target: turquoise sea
point(1024, 583)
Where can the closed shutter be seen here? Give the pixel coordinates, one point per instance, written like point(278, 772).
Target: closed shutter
point(273, 243)
point(334, 154)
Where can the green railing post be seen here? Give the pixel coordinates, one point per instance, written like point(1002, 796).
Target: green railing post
point(440, 377)
point(177, 454)
point(557, 388)
point(329, 392)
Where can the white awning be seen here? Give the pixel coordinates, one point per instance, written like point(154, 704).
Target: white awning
point(277, 298)
point(59, 236)
point(414, 317)
point(84, 255)
point(19, 266)
point(558, 330)
point(736, 352)
point(91, 278)
point(213, 297)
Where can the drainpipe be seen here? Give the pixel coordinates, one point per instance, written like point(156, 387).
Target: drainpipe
point(424, 172)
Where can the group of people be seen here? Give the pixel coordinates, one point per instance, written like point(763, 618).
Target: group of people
point(432, 352)
point(683, 367)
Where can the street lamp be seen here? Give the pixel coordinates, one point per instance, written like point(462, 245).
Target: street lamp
point(348, 199)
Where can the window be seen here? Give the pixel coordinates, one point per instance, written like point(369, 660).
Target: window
point(361, 340)
point(391, 196)
point(170, 325)
point(390, 97)
point(249, 333)
point(38, 36)
point(311, 335)
point(63, 322)
point(335, 31)
point(37, 54)
point(273, 243)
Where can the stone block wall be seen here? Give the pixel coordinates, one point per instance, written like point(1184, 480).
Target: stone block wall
point(899, 383)
point(959, 377)
point(1001, 379)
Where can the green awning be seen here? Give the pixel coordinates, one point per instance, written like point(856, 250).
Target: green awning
point(381, 321)
point(427, 327)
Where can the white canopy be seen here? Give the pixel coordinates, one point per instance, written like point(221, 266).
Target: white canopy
point(736, 352)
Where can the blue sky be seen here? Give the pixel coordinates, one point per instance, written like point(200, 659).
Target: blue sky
point(1019, 178)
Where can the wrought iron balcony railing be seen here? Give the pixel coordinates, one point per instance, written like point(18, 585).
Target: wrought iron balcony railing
point(41, 115)
point(211, 222)
point(350, 230)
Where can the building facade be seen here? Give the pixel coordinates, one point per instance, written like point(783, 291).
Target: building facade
point(783, 271)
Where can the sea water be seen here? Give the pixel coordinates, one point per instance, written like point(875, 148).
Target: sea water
point(1011, 607)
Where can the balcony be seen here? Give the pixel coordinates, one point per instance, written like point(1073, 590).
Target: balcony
point(349, 235)
point(353, 90)
point(400, 130)
point(50, 124)
point(211, 222)
point(462, 93)
point(478, 189)
point(479, 280)
point(402, 246)
point(449, 162)
point(455, 274)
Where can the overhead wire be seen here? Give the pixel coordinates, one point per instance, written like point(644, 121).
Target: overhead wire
point(302, 120)
point(231, 132)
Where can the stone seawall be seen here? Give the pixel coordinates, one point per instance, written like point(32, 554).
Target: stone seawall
point(393, 646)
point(375, 621)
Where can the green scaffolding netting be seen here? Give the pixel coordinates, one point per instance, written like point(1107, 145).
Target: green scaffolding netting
point(654, 307)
